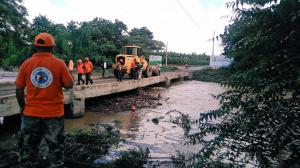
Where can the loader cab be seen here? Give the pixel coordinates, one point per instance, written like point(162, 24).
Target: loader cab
point(133, 50)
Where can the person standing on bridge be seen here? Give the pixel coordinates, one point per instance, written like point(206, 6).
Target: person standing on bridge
point(140, 70)
point(71, 67)
point(103, 69)
point(42, 113)
point(88, 68)
point(133, 66)
point(80, 71)
point(119, 69)
point(136, 69)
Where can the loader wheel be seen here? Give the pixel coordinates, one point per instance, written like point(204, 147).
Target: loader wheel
point(148, 72)
point(155, 72)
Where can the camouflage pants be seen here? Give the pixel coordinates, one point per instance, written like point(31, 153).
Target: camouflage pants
point(41, 142)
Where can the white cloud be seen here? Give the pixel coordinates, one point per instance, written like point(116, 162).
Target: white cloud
point(164, 18)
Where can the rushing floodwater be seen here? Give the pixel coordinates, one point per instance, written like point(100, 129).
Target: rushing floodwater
point(164, 138)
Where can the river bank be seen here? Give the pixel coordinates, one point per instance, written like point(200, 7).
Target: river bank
point(212, 75)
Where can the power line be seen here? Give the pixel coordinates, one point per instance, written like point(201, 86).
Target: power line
point(189, 16)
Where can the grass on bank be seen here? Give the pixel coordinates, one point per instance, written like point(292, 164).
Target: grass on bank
point(212, 75)
point(168, 68)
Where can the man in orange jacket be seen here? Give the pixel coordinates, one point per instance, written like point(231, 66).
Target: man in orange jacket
point(42, 113)
point(80, 71)
point(88, 68)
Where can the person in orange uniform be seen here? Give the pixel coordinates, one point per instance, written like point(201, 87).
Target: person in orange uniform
point(43, 75)
point(71, 67)
point(80, 71)
point(88, 68)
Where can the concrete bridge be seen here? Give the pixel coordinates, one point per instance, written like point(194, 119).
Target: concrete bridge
point(75, 98)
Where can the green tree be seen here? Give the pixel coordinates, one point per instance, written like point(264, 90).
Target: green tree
point(98, 37)
point(40, 24)
point(143, 37)
point(63, 48)
point(13, 28)
point(182, 58)
point(258, 122)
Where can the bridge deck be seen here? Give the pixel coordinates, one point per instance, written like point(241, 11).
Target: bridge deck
point(76, 96)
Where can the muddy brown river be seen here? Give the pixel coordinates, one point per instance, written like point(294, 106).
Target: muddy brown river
point(162, 138)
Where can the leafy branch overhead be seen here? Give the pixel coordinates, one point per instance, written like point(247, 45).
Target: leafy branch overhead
point(258, 122)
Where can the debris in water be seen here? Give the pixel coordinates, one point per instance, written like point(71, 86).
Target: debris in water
point(155, 121)
point(133, 108)
point(113, 104)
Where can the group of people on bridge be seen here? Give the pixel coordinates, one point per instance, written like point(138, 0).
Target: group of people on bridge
point(85, 68)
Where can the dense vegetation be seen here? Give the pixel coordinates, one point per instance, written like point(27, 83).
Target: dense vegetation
point(181, 58)
point(212, 75)
point(258, 122)
point(87, 148)
point(99, 39)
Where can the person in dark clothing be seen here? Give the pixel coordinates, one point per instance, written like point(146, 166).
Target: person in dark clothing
point(119, 68)
point(136, 69)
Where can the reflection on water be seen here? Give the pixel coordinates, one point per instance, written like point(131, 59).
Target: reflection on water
point(164, 138)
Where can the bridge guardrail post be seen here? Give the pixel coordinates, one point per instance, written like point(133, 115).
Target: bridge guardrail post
point(76, 106)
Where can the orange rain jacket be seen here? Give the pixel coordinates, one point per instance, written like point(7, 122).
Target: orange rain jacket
point(88, 67)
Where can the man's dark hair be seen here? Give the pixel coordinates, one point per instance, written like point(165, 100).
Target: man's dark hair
point(43, 49)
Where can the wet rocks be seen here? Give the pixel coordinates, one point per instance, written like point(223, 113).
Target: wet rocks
point(155, 121)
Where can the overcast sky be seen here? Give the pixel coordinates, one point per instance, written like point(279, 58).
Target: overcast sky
point(187, 25)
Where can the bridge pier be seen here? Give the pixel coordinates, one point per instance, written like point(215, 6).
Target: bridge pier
point(139, 91)
point(167, 82)
point(190, 77)
point(78, 107)
point(181, 79)
point(75, 106)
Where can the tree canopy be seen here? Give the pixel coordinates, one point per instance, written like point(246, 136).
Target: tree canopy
point(13, 31)
point(99, 38)
point(258, 122)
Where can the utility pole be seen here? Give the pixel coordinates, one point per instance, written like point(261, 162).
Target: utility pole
point(213, 47)
point(166, 53)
